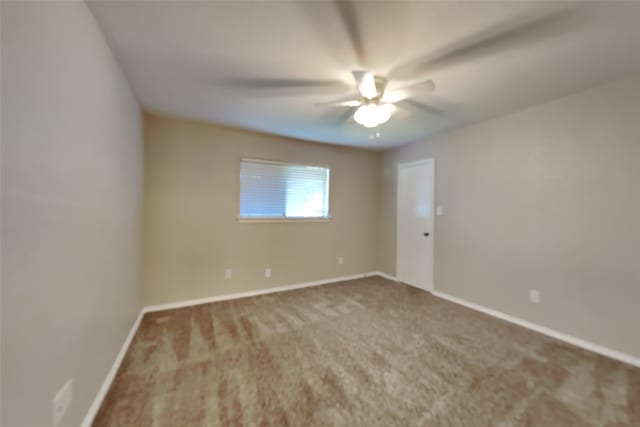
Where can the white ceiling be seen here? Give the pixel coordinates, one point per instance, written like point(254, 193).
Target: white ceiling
point(209, 60)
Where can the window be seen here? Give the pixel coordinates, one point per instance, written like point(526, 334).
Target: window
point(272, 190)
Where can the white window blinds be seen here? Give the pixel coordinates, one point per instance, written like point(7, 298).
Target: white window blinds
point(282, 190)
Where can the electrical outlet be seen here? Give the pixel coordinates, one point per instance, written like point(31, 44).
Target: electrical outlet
point(228, 273)
point(534, 296)
point(267, 272)
point(61, 401)
point(340, 260)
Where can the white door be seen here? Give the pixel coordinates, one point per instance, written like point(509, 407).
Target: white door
point(414, 251)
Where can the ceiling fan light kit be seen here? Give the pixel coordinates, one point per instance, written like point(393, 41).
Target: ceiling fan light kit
point(374, 108)
point(372, 114)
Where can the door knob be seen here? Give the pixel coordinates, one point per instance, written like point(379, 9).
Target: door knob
point(426, 234)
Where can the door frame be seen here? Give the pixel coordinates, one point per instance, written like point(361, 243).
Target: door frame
point(400, 166)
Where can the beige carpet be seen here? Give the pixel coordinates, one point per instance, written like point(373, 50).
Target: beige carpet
point(367, 352)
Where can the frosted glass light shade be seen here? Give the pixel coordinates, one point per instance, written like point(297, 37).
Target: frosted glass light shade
point(372, 115)
point(366, 115)
point(383, 113)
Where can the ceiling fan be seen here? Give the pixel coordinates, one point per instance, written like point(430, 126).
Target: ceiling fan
point(374, 106)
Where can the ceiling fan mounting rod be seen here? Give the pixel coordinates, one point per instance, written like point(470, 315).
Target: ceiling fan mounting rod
point(381, 85)
point(369, 101)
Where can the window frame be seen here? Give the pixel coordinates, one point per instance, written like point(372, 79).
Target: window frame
point(266, 219)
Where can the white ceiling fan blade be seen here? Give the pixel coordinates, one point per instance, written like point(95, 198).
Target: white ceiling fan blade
point(353, 103)
point(366, 84)
point(404, 92)
point(351, 100)
point(424, 86)
point(412, 105)
point(394, 96)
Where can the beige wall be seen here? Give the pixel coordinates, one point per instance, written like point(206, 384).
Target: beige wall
point(191, 205)
point(71, 202)
point(547, 198)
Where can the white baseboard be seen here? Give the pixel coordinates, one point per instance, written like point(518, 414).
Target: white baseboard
point(385, 275)
point(237, 295)
point(578, 342)
point(95, 406)
point(395, 279)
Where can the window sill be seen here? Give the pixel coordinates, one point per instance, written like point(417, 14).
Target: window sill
point(327, 219)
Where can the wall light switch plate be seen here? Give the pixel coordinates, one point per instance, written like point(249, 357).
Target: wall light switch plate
point(228, 273)
point(534, 296)
point(340, 260)
point(267, 272)
point(439, 211)
point(61, 401)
